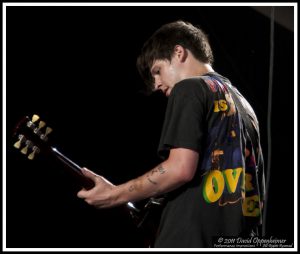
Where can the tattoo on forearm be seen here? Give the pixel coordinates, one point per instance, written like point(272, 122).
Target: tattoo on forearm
point(159, 169)
point(131, 188)
point(151, 181)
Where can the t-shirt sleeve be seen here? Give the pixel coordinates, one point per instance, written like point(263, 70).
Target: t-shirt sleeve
point(184, 123)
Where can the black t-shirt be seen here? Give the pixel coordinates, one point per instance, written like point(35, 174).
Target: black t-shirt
point(223, 199)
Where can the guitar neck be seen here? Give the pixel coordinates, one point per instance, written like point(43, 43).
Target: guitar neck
point(74, 168)
point(66, 160)
point(87, 183)
point(32, 138)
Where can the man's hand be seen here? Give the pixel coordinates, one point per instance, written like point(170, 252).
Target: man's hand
point(100, 195)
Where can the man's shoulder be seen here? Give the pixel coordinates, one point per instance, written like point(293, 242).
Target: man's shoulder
point(189, 86)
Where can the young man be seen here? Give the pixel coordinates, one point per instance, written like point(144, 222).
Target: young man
point(211, 171)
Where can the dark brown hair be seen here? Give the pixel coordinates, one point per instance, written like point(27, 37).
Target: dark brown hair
point(160, 46)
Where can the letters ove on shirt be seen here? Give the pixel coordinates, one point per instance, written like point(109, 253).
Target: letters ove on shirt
point(215, 182)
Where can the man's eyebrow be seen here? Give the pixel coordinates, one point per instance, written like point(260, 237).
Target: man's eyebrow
point(152, 69)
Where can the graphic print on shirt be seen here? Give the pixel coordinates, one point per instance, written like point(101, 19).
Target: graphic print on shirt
point(227, 179)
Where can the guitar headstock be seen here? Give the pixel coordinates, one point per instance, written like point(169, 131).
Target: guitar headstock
point(32, 136)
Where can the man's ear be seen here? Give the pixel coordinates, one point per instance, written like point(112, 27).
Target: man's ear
point(180, 52)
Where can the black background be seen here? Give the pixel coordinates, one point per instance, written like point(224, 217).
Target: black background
point(75, 67)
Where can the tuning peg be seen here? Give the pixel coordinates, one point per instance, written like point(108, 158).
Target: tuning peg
point(24, 150)
point(28, 145)
point(48, 131)
point(19, 142)
point(37, 129)
point(35, 118)
point(44, 136)
point(35, 150)
point(41, 124)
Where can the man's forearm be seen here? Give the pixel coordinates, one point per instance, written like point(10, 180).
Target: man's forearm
point(178, 169)
point(159, 180)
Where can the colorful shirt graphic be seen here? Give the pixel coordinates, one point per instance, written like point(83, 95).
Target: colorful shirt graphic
point(229, 165)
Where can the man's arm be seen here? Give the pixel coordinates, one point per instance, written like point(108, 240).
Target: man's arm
point(178, 169)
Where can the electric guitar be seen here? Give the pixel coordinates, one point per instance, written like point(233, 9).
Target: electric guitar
point(32, 138)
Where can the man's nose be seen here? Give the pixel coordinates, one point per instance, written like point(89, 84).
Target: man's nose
point(157, 84)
